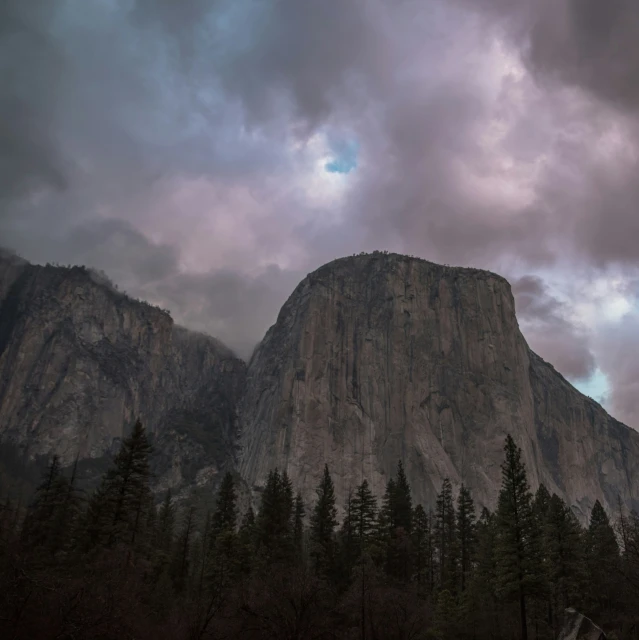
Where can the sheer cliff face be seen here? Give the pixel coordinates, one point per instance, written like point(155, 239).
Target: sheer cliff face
point(378, 358)
point(373, 359)
point(79, 362)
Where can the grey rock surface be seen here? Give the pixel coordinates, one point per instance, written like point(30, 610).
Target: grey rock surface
point(80, 361)
point(379, 357)
point(373, 359)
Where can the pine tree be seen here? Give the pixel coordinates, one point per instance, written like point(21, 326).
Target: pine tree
point(287, 514)
point(387, 513)
point(274, 521)
point(402, 502)
point(629, 526)
point(562, 546)
point(298, 527)
point(446, 621)
point(602, 563)
point(359, 528)
point(118, 509)
point(465, 534)
point(516, 544)
point(288, 503)
point(181, 565)
point(364, 517)
point(246, 541)
point(53, 513)
point(423, 549)
point(484, 605)
point(445, 537)
point(323, 524)
point(348, 548)
point(541, 504)
point(540, 610)
point(225, 514)
point(165, 530)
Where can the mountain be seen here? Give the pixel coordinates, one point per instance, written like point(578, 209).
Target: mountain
point(376, 358)
point(373, 358)
point(80, 361)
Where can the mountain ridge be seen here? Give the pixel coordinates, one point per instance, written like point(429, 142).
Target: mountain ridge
point(373, 358)
point(456, 330)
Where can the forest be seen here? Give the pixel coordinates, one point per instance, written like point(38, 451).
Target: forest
point(113, 564)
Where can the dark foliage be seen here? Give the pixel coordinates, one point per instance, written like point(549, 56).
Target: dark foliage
point(114, 565)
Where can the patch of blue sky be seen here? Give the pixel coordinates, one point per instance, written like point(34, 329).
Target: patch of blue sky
point(597, 386)
point(345, 154)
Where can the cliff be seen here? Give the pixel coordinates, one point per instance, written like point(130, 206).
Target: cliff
point(373, 359)
point(380, 357)
point(80, 361)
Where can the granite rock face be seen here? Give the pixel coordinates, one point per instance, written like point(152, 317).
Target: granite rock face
point(379, 357)
point(80, 361)
point(373, 359)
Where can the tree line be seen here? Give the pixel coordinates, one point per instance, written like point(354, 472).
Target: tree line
point(116, 565)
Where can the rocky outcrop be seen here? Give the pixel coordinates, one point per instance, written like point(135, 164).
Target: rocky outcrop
point(80, 361)
point(373, 359)
point(380, 357)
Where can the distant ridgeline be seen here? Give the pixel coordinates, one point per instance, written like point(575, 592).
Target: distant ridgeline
point(111, 564)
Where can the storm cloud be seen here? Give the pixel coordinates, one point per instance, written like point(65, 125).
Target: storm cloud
point(185, 149)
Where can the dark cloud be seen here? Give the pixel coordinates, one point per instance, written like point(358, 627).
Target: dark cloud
point(617, 349)
point(171, 144)
point(234, 307)
point(29, 154)
point(550, 334)
point(591, 44)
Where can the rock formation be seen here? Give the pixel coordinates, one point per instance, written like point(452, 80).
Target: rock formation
point(373, 359)
point(80, 361)
point(380, 357)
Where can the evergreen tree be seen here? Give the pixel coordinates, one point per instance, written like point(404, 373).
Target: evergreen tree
point(348, 547)
point(288, 503)
point(268, 520)
point(386, 520)
point(602, 562)
point(246, 542)
point(298, 527)
point(118, 510)
point(465, 534)
point(541, 504)
point(323, 524)
point(182, 552)
point(225, 514)
point(274, 522)
point(517, 541)
point(484, 610)
point(446, 623)
point(445, 537)
point(165, 530)
point(423, 549)
point(402, 502)
point(363, 516)
point(52, 516)
point(540, 609)
point(562, 547)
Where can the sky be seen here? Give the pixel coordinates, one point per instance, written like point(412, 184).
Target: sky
point(208, 154)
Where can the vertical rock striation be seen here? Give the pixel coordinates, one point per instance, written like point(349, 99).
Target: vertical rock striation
point(373, 359)
point(80, 361)
point(382, 357)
